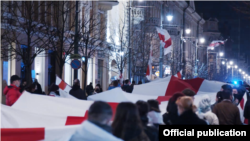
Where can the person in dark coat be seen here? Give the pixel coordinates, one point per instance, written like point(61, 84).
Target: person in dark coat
point(247, 111)
point(218, 99)
point(100, 88)
point(90, 89)
point(186, 111)
point(140, 82)
point(226, 111)
point(126, 85)
point(150, 131)
point(76, 91)
point(171, 116)
point(23, 85)
point(38, 88)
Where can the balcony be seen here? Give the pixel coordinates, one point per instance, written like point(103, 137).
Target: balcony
point(107, 4)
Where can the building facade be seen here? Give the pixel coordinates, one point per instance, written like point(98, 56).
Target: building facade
point(45, 67)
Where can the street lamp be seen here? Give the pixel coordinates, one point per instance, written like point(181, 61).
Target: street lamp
point(228, 66)
point(169, 17)
point(212, 48)
point(239, 70)
point(188, 31)
point(236, 66)
point(223, 62)
point(221, 54)
point(202, 40)
point(243, 72)
point(231, 62)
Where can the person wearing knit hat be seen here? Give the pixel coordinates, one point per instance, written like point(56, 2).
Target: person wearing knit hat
point(204, 111)
point(189, 92)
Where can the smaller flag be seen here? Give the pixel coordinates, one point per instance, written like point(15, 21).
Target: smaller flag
point(179, 74)
point(216, 43)
point(166, 40)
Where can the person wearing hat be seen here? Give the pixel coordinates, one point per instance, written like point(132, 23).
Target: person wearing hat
point(12, 92)
point(189, 92)
point(154, 114)
point(204, 111)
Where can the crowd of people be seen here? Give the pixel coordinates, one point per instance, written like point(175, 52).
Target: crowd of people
point(140, 121)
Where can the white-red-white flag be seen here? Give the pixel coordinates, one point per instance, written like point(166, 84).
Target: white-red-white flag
point(216, 43)
point(166, 41)
point(149, 68)
point(64, 88)
point(178, 74)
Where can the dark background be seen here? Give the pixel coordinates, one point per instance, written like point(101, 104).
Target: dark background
point(233, 25)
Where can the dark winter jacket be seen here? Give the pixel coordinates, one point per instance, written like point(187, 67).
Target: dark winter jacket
point(77, 92)
point(136, 135)
point(190, 118)
point(12, 94)
point(247, 110)
point(89, 90)
point(171, 117)
point(39, 89)
point(103, 126)
point(150, 131)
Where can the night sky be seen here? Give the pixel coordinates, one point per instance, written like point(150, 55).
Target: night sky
point(228, 24)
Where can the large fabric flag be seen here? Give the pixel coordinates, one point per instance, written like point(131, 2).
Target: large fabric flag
point(149, 68)
point(165, 39)
point(216, 43)
point(170, 85)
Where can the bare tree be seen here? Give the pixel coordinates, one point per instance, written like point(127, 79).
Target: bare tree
point(92, 36)
point(22, 36)
point(141, 44)
point(119, 43)
point(62, 31)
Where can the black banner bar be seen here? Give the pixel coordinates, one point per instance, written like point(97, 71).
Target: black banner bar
point(203, 132)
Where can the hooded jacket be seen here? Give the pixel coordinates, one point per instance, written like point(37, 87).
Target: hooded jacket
point(89, 131)
point(12, 94)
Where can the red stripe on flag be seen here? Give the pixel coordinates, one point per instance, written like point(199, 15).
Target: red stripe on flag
point(242, 103)
point(73, 120)
point(246, 121)
point(162, 37)
point(113, 106)
point(22, 134)
point(163, 98)
point(168, 43)
point(148, 71)
point(62, 85)
point(178, 85)
point(179, 75)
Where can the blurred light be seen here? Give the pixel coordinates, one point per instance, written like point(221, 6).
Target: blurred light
point(221, 53)
point(239, 70)
point(202, 40)
point(170, 17)
point(231, 62)
point(188, 31)
point(235, 82)
point(243, 72)
point(212, 48)
point(223, 62)
point(83, 59)
point(236, 66)
point(122, 53)
point(244, 77)
point(229, 67)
